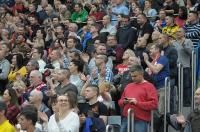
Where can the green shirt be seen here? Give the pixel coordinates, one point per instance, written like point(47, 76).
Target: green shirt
point(76, 17)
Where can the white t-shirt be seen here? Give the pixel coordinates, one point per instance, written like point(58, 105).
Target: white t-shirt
point(69, 124)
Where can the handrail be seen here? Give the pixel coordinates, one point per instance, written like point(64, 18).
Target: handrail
point(167, 101)
point(130, 126)
point(108, 127)
point(193, 63)
point(180, 88)
point(152, 121)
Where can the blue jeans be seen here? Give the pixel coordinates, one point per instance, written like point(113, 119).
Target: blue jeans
point(139, 126)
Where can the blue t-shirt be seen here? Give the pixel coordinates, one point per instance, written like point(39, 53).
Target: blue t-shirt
point(159, 78)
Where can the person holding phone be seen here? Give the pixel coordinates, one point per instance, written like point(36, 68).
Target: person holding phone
point(141, 96)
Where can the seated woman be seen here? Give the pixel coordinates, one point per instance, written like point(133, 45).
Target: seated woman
point(10, 98)
point(65, 119)
point(18, 69)
point(121, 68)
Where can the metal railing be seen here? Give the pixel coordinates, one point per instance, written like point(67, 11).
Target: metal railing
point(180, 88)
point(167, 101)
point(194, 65)
point(150, 125)
point(130, 126)
point(108, 128)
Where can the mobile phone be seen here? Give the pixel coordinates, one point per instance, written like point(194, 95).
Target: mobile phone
point(126, 98)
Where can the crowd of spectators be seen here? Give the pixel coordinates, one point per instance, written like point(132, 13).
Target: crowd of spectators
point(66, 65)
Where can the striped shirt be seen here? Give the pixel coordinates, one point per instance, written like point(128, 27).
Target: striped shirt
point(193, 33)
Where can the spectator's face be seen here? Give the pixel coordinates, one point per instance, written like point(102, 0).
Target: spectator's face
point(39, 34)
point(72, 67)
point(31, 8)
point(53, 56)
point(101, 49)
point(137, 11)
point(98, 60)
point(32, 20)
point(147, 4)
point(34, 79)
point(140, 20)
point(60, 76)
point(168, 20)
point(48, 10)
point(32, 97)
point(125, 21)
point(180, 33)
point(59, 30)
point(63, 102)
point(20, 30)
point(90, 22)
point(125, 55)
point(153, 51)
point(132, 61)
point(6, 96)
point(136, 77)
point(93, 29)
point(141, 42)
point(155, 35)
point(20, 39)
point(111, 41)
point(162, 14)
point(14, 60)
point(24, 122)
point(90, 93)
point(105, 20)
point(57, 3)
point(197, 97)
point(162, 39)
point(55, 21)
point(191, 18)
point(70, 43)
point(77, 8)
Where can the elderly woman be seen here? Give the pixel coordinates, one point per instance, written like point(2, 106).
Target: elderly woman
point(65, 119)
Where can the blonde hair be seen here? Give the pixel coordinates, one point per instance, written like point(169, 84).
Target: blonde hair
point(130, 52)
point(104, 85)
point(19, 84)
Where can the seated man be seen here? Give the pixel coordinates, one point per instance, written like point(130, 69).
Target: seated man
point(80, 14)
point(36, 83)
point(93, 108)
point(193, 119)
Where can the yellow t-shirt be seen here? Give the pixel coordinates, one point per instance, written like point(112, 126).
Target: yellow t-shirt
point(12, 74)
point(170, 30)
point(7, 127)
